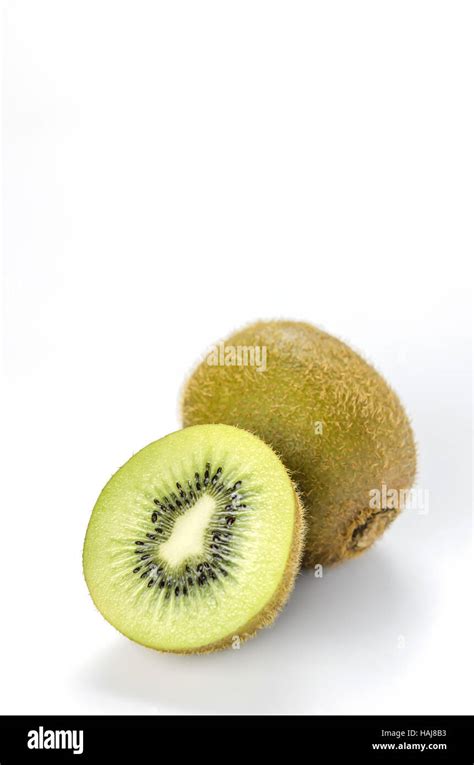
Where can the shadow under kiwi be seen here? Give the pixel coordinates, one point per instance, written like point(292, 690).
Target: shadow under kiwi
point(333, 632)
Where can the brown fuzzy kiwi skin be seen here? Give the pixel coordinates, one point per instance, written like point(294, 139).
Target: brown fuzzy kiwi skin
point(366, 440)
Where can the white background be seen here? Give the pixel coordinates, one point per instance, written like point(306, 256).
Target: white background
point(174, 170)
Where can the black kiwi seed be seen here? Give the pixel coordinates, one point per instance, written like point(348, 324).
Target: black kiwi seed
point(145, 557)
point(151, 536)
point(229, 520)
point(151, 583)
point(157, 502)
point(154, 517)
point(185, 590)
point(237, 485)
point(139, 543)
point(162, 584)
point(136, 570)
point(159, 530)
point(190, 581)
point(144, 575)
point(176, 591)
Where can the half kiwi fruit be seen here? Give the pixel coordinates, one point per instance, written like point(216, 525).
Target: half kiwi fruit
point(196, 541)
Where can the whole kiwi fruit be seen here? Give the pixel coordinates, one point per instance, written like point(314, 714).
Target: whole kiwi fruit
point(194, 544)
point(338, 427)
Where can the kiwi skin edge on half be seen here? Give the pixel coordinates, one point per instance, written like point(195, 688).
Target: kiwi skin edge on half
point(364, 443)
point(195, 541)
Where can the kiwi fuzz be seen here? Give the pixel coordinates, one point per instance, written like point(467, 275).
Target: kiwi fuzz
point(196, 541)
point(313, 380)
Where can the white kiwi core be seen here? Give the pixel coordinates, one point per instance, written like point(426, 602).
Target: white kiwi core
point(187, 537)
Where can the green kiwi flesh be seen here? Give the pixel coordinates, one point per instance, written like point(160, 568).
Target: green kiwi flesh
point(196, 541)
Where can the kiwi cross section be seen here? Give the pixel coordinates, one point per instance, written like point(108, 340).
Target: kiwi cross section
point(195, 541)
